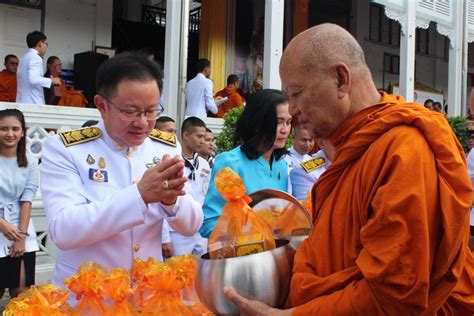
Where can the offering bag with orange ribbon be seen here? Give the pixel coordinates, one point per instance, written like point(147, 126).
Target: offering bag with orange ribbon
point(87, 284)
point(239, 231)
point(117, 286)
point(40, 300)
point(158, 287)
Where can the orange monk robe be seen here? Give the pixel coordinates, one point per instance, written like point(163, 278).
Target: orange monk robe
point(391, 220)
point(7, 86)
point(71, 97)
point(235, 100)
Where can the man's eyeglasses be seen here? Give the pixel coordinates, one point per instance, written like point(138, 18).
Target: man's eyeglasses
point(133, 115)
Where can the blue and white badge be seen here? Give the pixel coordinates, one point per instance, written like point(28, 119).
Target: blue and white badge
point(98, 175)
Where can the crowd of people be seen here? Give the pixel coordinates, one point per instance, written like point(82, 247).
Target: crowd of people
point(390, 203)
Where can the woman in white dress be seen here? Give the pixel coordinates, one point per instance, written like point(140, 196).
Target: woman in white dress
point(19, 182)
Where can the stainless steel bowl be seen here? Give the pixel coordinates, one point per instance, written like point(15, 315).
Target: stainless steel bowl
point(270, 198)
point(263, 276)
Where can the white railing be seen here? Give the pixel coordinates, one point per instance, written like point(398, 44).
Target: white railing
point(43, 121)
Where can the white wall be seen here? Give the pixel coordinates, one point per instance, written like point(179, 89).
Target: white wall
point(70, 25)
point(431, 70)
point(15, 23)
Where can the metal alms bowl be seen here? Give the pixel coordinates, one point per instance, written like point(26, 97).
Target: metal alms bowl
point(262, 276)
point(269, 198)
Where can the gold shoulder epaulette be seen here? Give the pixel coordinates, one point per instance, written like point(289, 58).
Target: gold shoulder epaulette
point(80, 136)
point(163, 137)
point(313, 164)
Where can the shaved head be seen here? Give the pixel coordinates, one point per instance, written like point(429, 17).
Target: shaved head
point(326, 78)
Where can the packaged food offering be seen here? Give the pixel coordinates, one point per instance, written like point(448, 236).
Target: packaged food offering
point(239, 231)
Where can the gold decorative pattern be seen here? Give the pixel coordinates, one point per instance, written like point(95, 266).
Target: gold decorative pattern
point(80, 136)
point(163, 137)
point(313, 164)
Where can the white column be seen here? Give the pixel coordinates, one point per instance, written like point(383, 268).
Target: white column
point(172, 57)
point(103, 32)
point(407, 51)
point(455, 81)
point(183, 65)
point(273, 43)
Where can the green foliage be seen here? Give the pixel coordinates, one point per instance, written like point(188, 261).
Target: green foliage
point(289, 142)
point(457, 124)
point(225, 139)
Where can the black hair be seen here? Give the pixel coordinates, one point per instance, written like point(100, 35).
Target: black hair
point(428, 101)
point(201, 64)
point(231, 79)
point(9, 56)
point(257, 125)
point(126, 66)
point(21, 158)
point(209, 130)
point(90, 123)
point(33, 38)
point(164, 119)
point(190, 124)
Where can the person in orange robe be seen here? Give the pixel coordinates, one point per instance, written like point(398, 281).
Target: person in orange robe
point(69, 96)
point(8, 79)
point(230, 91)
point(391, 214)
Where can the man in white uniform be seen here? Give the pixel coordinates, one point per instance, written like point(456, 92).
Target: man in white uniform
point(200, 91)
point(30, 80)
point(303, 142)
point(307, 172)
point(198, 172)
point(107, 189)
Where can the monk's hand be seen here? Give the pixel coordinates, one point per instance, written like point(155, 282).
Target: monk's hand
point(251, 307)
point(163, 182)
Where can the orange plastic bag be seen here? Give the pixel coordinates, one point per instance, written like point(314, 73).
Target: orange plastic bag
point(117, 287)
point(87, 285)
point(239, 231)
point(158, 287)
point(291, 220)
point(40, 300)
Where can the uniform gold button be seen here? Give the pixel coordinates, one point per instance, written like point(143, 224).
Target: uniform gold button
point(136, 248)
point(135, 181)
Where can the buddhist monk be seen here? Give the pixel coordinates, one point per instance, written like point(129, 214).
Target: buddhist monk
point(230, 92)
point(391, 214)
point(8, 79)
point(69, 96)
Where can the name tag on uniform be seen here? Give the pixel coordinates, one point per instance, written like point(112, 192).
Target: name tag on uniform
point(98, 175)
point(313, 164)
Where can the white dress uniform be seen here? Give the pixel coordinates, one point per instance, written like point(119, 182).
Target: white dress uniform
point(199, 97)
point(197, 189)
point(100, 215)
point(294, 158)
point(30, 79)
point(307, 172)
